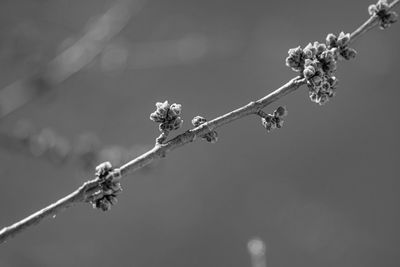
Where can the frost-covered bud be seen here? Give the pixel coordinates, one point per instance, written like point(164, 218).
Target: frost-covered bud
point(116, 187)
point(313, 96)
point(274, 120)
point(278, 122)
point(309, 51)
point(322, 92)
point(323, 99)
point(295, 60)
point(372, 10)
point(330, 67)
point(161, 112)
point(311, 68)
point(164, 127)
point(319, 47)
point(165, 112)
point(280, 112)
point(328, 61)
point(331, 40)
point(318, 65)
point(325, 87)
point(327, 56)
point(168, 117)
point(103, 169)
point(198, 120)
point(386, 17)
point(211, 137)
point(175, 110)
point(110, 187)
point(393, 17)
point(333, 81)
point(112, 199)
point(348, 53)
point(336, 52)
point(267, 123)
point(343, 39)
point(339, 47)
point(171, 125)
point(177, 123)
point(316, 80)
point(311, 63)
point(309, 72)
point(382, 5)
point(102, 204)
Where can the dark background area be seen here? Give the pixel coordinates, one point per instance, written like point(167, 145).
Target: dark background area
point(321, 191)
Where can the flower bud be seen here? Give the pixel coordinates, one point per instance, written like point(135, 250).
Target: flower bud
point(309, 51)
point(295, 60)
point(348, 53)
point(343, 39)
point(198, 120)
point(309, 72)
point(320, 47)
point(280, 112)
point(331, 40)
point(211, 137)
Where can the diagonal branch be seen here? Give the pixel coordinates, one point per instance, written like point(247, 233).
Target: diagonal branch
point(160, 150)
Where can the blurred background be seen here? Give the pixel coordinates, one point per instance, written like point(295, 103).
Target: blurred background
point(79, 79)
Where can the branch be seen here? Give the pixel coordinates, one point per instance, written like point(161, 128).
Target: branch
point(106, 184)
point(372, 22)
point(51, 210)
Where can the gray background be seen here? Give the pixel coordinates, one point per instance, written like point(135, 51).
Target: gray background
point(322, 191)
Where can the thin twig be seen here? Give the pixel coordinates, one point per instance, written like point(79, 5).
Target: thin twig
point(160, 150)
point(369, 24)
point(51, 210)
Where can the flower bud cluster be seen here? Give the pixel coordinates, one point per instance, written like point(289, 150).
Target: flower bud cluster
point(339, 46)
point(296, 59)
point(322, 88)
point(274, 120)
point(382, 10)
point(168, 118)
point(212, 136)
point(110, 187)
point(317, 63)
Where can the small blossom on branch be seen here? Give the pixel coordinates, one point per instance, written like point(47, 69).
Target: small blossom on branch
point(296, 59)
point(110, 187)
point(317, 63)
point(274, 120)
point(339, 46)
point(382, 10)
point(168, 118)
